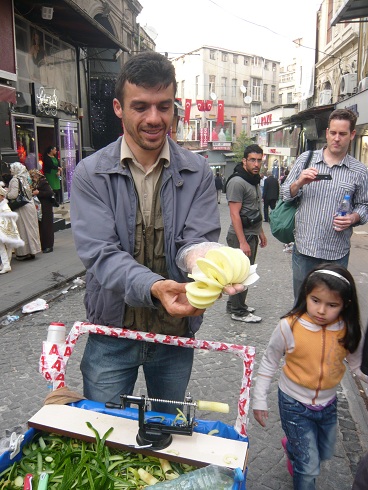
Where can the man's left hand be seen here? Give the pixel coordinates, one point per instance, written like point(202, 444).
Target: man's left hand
point(173, 298)
point(341, 223)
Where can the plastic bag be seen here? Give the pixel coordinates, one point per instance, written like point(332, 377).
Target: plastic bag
point(38, 207)
point(36, 305)
point(207, 478)
point(187, 258)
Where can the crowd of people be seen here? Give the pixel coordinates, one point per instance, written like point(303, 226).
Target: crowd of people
point(143, 207)
point(27, 198)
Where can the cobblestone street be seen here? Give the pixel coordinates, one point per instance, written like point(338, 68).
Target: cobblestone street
point(216, 376)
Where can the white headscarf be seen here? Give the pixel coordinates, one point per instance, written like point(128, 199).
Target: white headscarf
point(19, 171)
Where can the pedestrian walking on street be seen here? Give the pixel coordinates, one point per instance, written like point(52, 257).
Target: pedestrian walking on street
point(138, 208)
point(244, 197)
point(41, 188)
point(321, 235)
point(271, 191)
point(9, 235)
point(219, 186)
point(27, 222)
point(316, 336)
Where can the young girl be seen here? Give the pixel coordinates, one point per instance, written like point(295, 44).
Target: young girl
point(321, 330)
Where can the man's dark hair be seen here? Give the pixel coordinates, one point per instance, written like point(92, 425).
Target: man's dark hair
point(148, 69)
point(252, 149)
point(343, 114)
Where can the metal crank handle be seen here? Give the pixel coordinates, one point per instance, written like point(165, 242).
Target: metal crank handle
point(213, 406)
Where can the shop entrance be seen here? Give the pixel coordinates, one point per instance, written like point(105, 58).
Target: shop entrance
point(46, 137)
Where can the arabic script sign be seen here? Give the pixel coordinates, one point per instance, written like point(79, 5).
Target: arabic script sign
point(47, 101)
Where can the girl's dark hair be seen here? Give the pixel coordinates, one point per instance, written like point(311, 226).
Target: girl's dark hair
point(350, 312)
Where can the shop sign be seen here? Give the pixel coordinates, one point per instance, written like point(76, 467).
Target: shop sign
point(289, 152)
point(47, 101)
point(221, 145)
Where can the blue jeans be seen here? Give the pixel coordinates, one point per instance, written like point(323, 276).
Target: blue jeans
point(110, 368)
point(311, 438)
point(236, 303)
point(303, 264)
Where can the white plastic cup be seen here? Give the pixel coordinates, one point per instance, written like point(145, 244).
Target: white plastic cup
point(56, 333)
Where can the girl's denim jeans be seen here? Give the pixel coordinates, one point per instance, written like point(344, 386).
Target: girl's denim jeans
point(311, 438)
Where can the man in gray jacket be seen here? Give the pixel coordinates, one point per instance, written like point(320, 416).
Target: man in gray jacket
point(137, 208)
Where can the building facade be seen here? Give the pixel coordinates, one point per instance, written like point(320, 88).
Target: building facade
point(221, 90)
point(58, 75)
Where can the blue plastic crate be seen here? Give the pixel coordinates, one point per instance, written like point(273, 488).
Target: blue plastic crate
point(204, 426)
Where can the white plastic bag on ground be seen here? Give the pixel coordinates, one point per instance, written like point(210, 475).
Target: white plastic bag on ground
point(36, 305)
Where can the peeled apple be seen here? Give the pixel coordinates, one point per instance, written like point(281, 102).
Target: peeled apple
point(220, 267)
point(201, 295)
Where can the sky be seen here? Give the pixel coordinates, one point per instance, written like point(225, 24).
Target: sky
point(262, 27)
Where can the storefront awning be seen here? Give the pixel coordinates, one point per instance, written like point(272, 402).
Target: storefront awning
point(8, 94)
point(69, 22)
point(351, 11)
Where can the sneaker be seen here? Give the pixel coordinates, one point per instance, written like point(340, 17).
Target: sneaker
point(249, 309)
point(288, 462)
point(250, 318)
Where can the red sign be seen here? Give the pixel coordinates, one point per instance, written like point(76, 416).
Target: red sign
point(203, 135)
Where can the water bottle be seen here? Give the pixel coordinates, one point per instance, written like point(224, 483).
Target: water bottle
point(344, 207)
point(207, 478)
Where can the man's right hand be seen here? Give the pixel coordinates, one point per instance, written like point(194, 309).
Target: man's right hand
point(307, 176)
point(173, 298)
point(245, 248)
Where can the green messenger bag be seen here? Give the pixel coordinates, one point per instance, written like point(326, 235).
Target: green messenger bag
point(282, 218)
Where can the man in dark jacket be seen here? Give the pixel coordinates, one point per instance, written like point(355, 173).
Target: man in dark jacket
point(271, 191)
point(219, 186)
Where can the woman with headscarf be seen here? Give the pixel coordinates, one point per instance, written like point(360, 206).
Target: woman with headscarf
point(27, 214)
point(41, 188)
point(9, 235)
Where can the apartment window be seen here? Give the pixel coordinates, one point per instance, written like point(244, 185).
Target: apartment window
point(197, 86)
point(246, 60)
point(256, 89)
point(245, 84)
point(266, 65)
point(289, 98)
point(212, 54)
point(273, 66)
point(182, 89)
point(234, 83)
point(235, 59)
point(329, 17)
point(273, 93)
point(257, 61)
point(280, 99)
point(224, 56)
point(265, 92)
point(212, 83)
point(223, 86)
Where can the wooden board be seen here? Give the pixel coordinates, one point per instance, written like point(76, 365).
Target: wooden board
point(197, 449)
